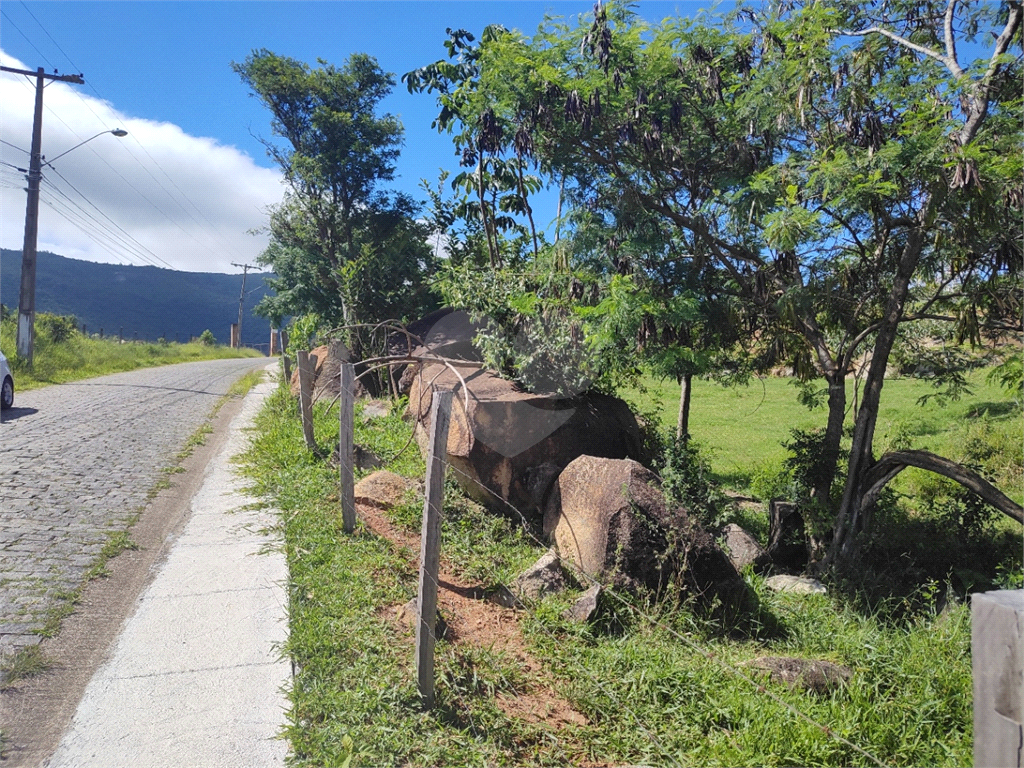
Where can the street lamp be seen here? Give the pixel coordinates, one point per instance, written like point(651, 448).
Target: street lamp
point(27, 299)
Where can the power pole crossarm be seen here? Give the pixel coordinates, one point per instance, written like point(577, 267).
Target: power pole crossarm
point(77, 79)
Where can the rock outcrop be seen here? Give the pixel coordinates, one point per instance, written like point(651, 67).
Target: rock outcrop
point(507, 445)
point(328, 358)
point(800, 585)
point(813, 675)
point(609, 518)
point(383, 489)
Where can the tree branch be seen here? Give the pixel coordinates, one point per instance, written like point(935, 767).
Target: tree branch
point(950, 40)
point(950, 64)
point(891, 464)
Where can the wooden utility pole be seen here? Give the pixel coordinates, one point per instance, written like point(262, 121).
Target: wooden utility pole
point(241, 296)
point(306, 363)
point(27, 300)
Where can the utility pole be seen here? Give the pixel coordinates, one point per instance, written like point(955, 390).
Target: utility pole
point(241, 297)
point(27, 300)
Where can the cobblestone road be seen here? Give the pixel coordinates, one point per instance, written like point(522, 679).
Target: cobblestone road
point(76, 464)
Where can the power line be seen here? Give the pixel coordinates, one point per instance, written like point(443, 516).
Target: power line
point(29, 12)
point(14, 146)
point(187, 199)
point(27, 38)
point(153, 256)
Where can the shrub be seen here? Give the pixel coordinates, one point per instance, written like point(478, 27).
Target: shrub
point(56, 328)
point(206, 338)
point(686, 480)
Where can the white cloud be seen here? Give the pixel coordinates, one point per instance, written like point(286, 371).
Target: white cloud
point(187, 200)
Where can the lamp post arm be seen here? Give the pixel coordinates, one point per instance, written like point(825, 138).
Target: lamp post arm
point(117, 132)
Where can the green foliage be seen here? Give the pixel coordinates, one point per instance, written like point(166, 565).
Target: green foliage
point(687, 480)
point(530, 329)
point(340, 247)
point(1010, 374)
point(773, 479)
point(824, 188)
point(206, 338)
point(303, 332)
point(55, 329)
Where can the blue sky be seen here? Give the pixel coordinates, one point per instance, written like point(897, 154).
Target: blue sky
point(191, 178)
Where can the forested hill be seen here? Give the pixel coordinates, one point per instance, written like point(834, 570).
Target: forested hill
point(149, 301)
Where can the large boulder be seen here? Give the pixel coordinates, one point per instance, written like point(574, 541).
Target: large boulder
point(444, 333)
point(507, 445)
point(609, 518)
point(324, 358)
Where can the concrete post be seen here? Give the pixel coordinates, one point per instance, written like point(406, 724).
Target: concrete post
point(997, 653)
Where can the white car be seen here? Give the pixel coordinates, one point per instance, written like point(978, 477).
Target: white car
point(6, 384)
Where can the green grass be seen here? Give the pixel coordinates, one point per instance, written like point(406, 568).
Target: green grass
point(742, 428)
point(26, 663)
point(81, 357)
point(640, 674)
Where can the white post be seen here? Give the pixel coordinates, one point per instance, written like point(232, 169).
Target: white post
point(997, 657)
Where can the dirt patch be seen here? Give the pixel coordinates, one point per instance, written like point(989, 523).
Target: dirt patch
point(541, 707)
point(473, 620)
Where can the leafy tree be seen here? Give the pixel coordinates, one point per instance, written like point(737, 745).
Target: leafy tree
point(501, 187)
point(843, 171)
point(341, 247)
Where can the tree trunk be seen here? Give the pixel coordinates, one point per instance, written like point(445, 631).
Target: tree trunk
point(483, 206)
point(850, 521)
point(683, 422)
point(827, 463)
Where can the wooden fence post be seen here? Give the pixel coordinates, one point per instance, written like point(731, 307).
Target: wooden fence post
point(287, 363)
point(430, 544)
point(346, 427)
point(306, 398)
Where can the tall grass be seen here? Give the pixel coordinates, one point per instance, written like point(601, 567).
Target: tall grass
point(62, 354)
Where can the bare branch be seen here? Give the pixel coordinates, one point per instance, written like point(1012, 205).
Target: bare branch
point(950, 64)
point(950, 40)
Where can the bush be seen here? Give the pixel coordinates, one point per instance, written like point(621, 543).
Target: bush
point(686, 480)
point(56, 328)
point(303, 333)
point(206, 338)
point(772, 480)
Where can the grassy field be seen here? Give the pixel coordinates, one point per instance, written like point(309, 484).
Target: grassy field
point(655, 683)
point(63, 354)
point(742, 428)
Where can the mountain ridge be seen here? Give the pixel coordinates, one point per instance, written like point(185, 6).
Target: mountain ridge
point(152, 302)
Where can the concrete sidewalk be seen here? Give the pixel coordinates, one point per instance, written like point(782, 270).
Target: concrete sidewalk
point(195, 677)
